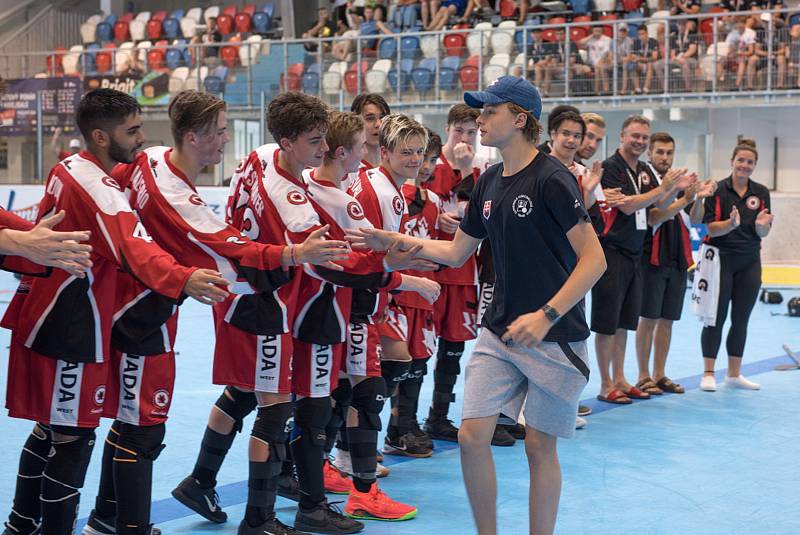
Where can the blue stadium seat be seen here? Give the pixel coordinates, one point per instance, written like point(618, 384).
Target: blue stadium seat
point(314, 67)
point(213, 84)
point(268, 8)
point(104, 32)
point(581, 6)
point(794, 19)
point(171, 28)
point(633, 26)
point(424, 74)
point(387, 49)
point(177, 14)
point(409, 47)
point(111, 19)
point(311, 82)
point(174, 58)
point(406, 65)
point(448, 72)
point(87, 60)
point(261, 22)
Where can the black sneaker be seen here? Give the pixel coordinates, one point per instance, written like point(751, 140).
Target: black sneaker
point(441, 429)
point(204, 502)
point(289, 487)
point(583, 410)
point(99, 525)
point(502, 437)
point(421, 435)
point(517, 431)
point(326, 518)
point(406, 445)
point(272, 526)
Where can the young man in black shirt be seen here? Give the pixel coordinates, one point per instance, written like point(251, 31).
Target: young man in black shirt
point(546, 258)
point(617, 297)
point(645, 52)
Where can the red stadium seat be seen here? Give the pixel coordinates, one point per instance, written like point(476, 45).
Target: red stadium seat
point(57, 58)
point(364, 67)
point(243, 23)
point(472, 61)
point(577, 33)
point(230, 56)
point(153, 29)
point(121, 32)
point(608, 30)
point(707, 30)
point(103, 62)
point(127, 17)
point(469, 77)
point(225, 24)
point(250, 9)
point(351, 82)
point(717, 9)
point(155, 59)
point(294, 75)
point(159, 15)
point(455, 44)
point(582, 18)
point(549, 34)
point(508, 9)
point(230, 11)
point(631, 5)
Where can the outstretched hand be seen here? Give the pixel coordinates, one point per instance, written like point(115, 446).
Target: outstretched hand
point(370, 238)
point(399, 259)
point(47, 247)
point(322, 252)
point(204, 286)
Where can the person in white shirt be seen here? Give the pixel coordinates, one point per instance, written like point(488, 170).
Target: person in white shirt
point(741, 43)
point(598, 46)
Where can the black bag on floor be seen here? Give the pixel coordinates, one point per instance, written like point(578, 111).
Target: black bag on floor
point(794, 306)
point(770, 297)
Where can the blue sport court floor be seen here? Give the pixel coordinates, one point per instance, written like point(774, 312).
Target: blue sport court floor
point(699, 463)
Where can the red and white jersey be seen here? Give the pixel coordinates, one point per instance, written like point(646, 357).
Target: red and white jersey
point(350, 177)
point(17, 264)
point(454, 191)
point(64, 317)
point(421, 221)
point(382, 200)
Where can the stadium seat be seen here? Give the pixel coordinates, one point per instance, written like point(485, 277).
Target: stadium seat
point(137, 29)
point(88, 30)
point(454, 44)
point(500, 59)
point(192, 81)
point(469, 77)
point(143, 16)
point(631, 5)
point(707, 30)
point(249, 53)
point(171, 28)
point(492, 73)
point(195, 13)
point(55, 62)
point(230, 11)
point(387, 48)
point(291, 81)
point(479, 38)
point(173, 58)
point(229, 55)
point(331, 83)
point(403, 78)
point(243, 23)
point(177, 79)
point(110, 19)
point(605, 5)
point(225, 24)
point(126, 17)
point(502, 42)
point(155, 59)
point(250, 9)
point(188, 27)
point(409, 47)
point(375, 80)
point(311, 82)
point(448, 72)
point(424, 75)
point(211, 11)
point(154, 29)
point(103, 62)
point(176, 14)
point(793, 20)
point(141, 50)
point(268, 8)
point(123, 56)
point(121, 32)
point(653, 5)
point(159, 15)
point(519, 61)
point(71, 59)
point(351, 82)
point(213, 84)
point(104, 32)
point(608, 30)
point(429, 44)
point(86, 62)
point(261, 22)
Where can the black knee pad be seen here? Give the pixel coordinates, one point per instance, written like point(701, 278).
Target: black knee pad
point(69, 458)
point(448, 363)
point(270, 424)
point(137, 442)
point(450, 349)
point(419, 369)
point(368, 398)
point(393, 372)
point(311, 416)
point(242, 404)
point(342, 394)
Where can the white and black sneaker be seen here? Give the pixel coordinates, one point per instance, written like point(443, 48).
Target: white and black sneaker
point(406, 445)
point(289, 486)
point(204, 502)
point(273, 526)
point(326, 518)
point(102, 525)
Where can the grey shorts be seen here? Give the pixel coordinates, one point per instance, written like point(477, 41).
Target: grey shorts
point(500, 378)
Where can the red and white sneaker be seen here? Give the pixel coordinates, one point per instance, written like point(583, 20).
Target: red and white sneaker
point(335, 481)
point(375, 505)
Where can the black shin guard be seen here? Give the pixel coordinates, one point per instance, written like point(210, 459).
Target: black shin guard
point(215, 445)
point(407, 398)
point(311, 415)
point(137, 448)
point(26, 513)
point(262, 484)
point(445, 375)
point(341, 401)
point(105, 505)
point(368, 399)
point(393, 372)
point(63, 478)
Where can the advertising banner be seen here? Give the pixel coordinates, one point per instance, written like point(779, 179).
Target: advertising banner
point(60, 98)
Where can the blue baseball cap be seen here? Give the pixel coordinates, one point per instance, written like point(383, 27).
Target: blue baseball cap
point(512, 89)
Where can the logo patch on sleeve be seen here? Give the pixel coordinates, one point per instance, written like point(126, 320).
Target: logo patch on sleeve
point(355, 211)
point(397, 205)
point(487, 209)
point(296, 197)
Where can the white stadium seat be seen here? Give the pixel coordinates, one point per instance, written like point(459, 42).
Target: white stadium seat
point(376, 81)
point(177, 80)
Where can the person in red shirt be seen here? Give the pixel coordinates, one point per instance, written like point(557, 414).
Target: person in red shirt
point(61, 341)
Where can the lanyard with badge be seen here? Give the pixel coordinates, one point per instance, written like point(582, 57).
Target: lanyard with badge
point(641, 213)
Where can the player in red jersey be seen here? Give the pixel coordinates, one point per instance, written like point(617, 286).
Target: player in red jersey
point(62, 324)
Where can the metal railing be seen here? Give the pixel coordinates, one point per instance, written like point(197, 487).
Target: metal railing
point(417, 73)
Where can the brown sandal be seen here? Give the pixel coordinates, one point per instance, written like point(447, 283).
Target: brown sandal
point(647, 385)
point(667, 385)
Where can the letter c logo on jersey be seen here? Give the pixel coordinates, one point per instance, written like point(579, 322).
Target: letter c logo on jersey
point(753, 202)
point(487, 209)
point(644, 178)
point(295, 197)
point(111, 183)
point(195, 199)
point(397, 205)
point(161, 398)
point(523, 206)
point(99, 395)
point(355, 211)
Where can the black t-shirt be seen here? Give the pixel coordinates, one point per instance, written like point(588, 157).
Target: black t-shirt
point(682, 41)
point(743, 239)
point(559, 51)
point(673, 244)
point(645, 48)
point(622, 234)
point(526, 217)
point(537, 51)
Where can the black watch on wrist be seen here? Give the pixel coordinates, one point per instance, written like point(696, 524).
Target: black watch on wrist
point(551, 313)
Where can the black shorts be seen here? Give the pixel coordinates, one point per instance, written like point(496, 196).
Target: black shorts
point(617, 296)
point(663, 291)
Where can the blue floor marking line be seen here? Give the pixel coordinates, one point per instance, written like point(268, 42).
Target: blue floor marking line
point(169, 509)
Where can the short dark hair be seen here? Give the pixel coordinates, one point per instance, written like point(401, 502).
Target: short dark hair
point(462, 113)
point(193, 111)
point(568, 115)
point(532, 128)
point(291, 114)
point(370, 98)
point(558, 110)
point(638, 119)
point(104, 109)
point(434, 143)
point(661, 137)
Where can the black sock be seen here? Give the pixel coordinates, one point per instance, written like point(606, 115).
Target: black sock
point(262, 487)
point(137, 448)
point(407, 402)
point(213, 450)
point(64, 476)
